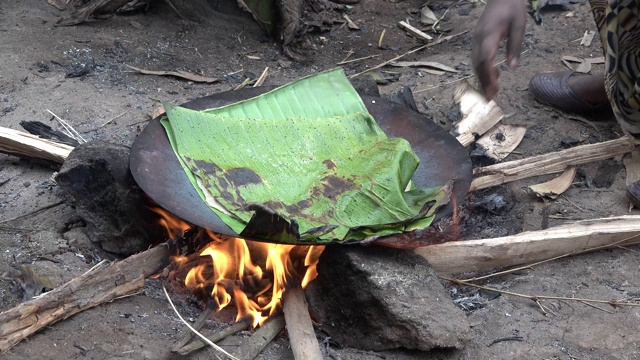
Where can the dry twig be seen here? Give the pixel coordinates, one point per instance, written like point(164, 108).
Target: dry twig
point(385, 63)
point(70, 130)
point(223, 334)
point(216, 347)
point(262, 77)
point(462, 78)
point(538, 298)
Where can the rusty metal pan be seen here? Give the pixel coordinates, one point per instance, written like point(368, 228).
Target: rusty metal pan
point(158, 172)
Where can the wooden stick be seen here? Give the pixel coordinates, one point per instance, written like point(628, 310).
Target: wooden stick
point(101, 284)
point(215, 347)
point(475, 255)
point(199, 344)
point(414, 31)
point(204, 316)
point(301, 335)
point(253, 346)
point(18, 143)
point(555, 162)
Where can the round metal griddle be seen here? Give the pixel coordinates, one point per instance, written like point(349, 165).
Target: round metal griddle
point(158, 172)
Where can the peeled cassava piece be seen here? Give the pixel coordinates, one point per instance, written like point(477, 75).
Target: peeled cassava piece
point(303, 163)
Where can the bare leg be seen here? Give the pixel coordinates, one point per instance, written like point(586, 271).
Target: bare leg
point(589, 88)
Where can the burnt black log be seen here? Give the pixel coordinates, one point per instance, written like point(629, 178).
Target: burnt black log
point(97, 180)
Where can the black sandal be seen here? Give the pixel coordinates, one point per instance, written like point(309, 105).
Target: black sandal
point(553, 89)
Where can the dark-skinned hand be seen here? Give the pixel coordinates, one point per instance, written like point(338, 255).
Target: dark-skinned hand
point(501, 19)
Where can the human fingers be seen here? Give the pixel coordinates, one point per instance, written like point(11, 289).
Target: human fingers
point(516, 38)
point(483, 57)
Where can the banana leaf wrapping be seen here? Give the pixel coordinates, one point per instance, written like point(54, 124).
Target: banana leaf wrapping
point(304, 163)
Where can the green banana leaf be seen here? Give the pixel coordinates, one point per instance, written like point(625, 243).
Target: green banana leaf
point(304, 163)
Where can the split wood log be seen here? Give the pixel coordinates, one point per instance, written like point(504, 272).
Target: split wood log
point(299, 327)
point(531, 246)
point(220, 335)
point(253, 346)
point(18, 143)
point(551, 163)
point(103, 283)
point(204, 316)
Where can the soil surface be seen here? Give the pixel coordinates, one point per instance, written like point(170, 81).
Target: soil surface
point(79, 74)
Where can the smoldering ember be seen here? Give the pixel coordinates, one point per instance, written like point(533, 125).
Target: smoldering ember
point(124, 226)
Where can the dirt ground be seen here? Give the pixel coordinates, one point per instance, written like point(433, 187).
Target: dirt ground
point(107, 101)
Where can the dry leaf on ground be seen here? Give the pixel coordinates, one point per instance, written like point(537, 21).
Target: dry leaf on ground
point(177, 73)
point(427, 17)
point(501, 140)
point(442, 68)
point(557, 186)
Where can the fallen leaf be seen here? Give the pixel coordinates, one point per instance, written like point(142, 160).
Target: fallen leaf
point(433, 72)
point(572, 58)
point(584, 67)
point(501, 140)
point(177, 73)
point(426, 64)
point(136, 24)
point(427, 17)
point(557, 186)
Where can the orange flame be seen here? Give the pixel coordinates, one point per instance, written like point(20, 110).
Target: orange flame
point(252, 275)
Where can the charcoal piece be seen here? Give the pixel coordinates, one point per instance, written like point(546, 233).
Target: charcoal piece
point(97, 180)
point(376, 298)
point(569, 142)
point(494, 204)
point(47, 132)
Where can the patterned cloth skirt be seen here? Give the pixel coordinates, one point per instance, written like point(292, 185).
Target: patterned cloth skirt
point(618, 23)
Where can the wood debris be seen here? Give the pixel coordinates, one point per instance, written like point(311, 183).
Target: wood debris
point(414, 31)
point(18, 143)
point(101, 284)
point(479, 115)
point(350, 23)
point(632, 166)
point(587, 38)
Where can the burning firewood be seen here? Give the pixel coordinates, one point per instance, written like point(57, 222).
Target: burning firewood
point(301, 335)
